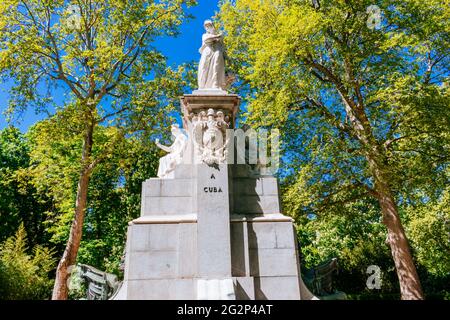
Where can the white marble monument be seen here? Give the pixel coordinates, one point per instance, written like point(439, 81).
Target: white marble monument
point(168, 163)
point(210, 229)
point(211, 68)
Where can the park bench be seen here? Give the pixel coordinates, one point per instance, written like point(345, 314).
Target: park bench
point(100, 285)
point(320, 281)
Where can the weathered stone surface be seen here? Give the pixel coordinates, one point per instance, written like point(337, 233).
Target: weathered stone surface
point(128, 248)
point(270, 186)
point(214, 248)
point(162, 289)
point(262, 235)
point(168, 188)
point(273, 262)
point(248, 186)
point(256, 204)
point(166, 205)
point(286, 237)
point(187, 250)
point(215, 289)
point(147, 237)
point(177, 188)
point(277, 288)
point(241, 171)
point(244, 288)
point(269, 235)
point(240, 261)
point(153, 265)
point(184, 171)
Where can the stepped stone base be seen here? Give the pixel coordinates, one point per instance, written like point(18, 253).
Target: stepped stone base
point(211, 232)
point(163, 245)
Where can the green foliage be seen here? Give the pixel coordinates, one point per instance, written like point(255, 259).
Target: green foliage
point(428, 229)
point(77, 286)
point(24, 276)
point(119, 88)
point(356, 238)
point(114, 191)
point(99, 50)
point(342, 94)
point(115, 199)
point(18, 200)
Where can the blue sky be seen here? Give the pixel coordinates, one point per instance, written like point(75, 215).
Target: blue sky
point(181, 49)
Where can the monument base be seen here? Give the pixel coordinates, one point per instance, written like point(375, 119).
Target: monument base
point(211, 232)
point(162, 253)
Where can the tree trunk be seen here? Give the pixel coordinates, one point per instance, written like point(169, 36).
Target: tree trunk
point(410, 287)
point(60, 289)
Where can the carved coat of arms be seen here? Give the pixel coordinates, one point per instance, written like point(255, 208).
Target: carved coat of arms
point(209, 134)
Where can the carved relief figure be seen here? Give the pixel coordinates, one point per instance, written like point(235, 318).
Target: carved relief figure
point(168, 163)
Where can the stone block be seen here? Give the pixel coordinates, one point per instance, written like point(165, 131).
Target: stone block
point(153, 265)
point(215, 289)
point(151, 187)
point(213, 222)
point(163, 237)
point(139, 238)
point(268, 235)
point(148, 237)
point(127, 253)
point(262, 235)
point(244, 288)
point(256, 204)
point(241, 171)
point(187, 250)
point(239, 250)
point(247, 204)
point(248, 186)
point(185, 171)
point(270, 186)
point(166, 206)
point(163, 289)
point(176, 187)
point(273, 262)
point(270, 204)
point(277, 288)
point(285, 234)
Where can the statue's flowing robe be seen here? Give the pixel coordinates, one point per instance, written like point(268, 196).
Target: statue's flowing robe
point(168, 163)
point(211, 69)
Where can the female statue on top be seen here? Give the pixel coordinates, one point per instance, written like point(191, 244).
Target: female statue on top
point(211, 69)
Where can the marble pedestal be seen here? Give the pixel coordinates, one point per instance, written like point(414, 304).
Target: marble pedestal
point(212, 224)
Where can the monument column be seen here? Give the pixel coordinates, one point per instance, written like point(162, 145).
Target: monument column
point(212, 183)
point(213, 222)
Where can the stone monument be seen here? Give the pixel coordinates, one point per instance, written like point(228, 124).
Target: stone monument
point(210, 229)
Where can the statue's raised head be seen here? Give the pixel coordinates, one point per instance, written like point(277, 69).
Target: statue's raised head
point(209, 26)
point(175, 128)
point(208, 23)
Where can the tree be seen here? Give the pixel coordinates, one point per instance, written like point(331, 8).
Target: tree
point(101, 53)
point(114, 189)
point(362, 98)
